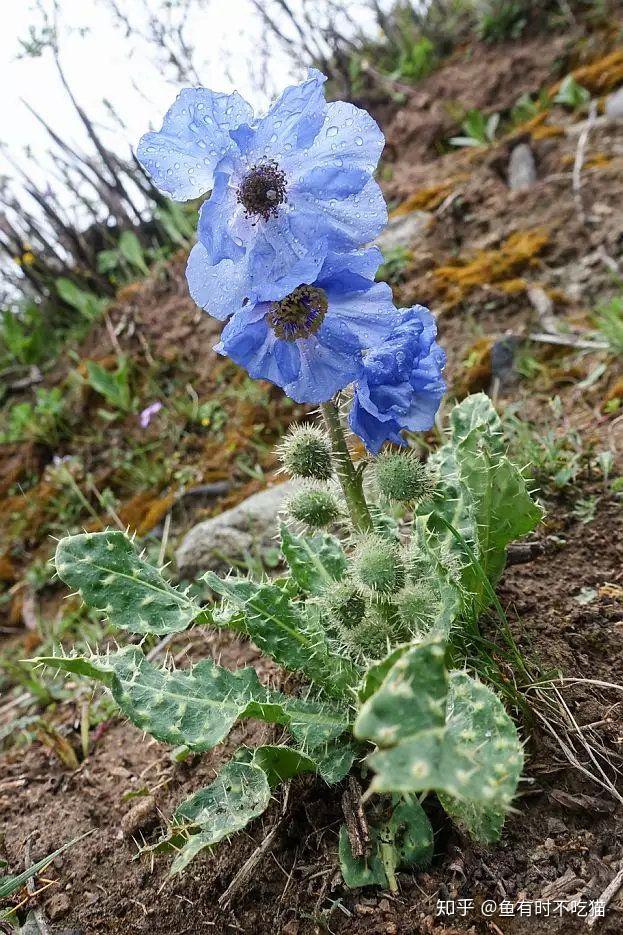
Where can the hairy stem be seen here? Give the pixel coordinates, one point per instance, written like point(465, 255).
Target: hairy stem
point(350, 479)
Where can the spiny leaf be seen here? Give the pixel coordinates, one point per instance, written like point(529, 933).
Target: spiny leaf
point(111, 577)
point(239, 793)
point(405, 840)
point(315, 562)
point(412, 696)
point(198, 707)
point(290, 633)
point(481, 494)
point(465, 746)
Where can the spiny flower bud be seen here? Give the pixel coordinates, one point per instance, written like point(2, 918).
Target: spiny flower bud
point(345, 605)
point(416, 561)
point(376, 634)
point(377, 566)
point(313, 505)
point(305, 452)
point(417, 605)
point(403, 477)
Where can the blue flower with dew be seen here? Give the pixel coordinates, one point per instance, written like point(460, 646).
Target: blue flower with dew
point(310, 341)
point(400, 385)
point(286, 188)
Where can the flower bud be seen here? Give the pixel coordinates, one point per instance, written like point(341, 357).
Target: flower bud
point(377, 566)
point(401, 476)
point(305, 452)
point(314, 506)
point(417, 604)
point(345, 604)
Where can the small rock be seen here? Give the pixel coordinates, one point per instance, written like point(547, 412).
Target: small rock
point(290, 928)
point(521, 168)
point(58, 906)
point(556, 826)
point(233, 534)
point(384, 905)
point(142, 814)
point(614, 104)
point(403, 230)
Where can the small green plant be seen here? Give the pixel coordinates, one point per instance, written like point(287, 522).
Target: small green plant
point(46, 420)
point(86, 303)
point(478, 129)
point(396, 261)
point(571, 94)
point(114, 386)
point(417, 60)
point(374, 624)
point(502, 20)
point(24, 336)
point(609, 322)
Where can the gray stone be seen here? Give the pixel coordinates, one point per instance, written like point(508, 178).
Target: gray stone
point(402, 231)
point(614, 104)
point(250, 526)
point(521, 168)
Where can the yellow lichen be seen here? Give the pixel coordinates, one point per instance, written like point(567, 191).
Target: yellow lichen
point(429, 198)
point(476, 374)
point(491, 267)
point(599, 77)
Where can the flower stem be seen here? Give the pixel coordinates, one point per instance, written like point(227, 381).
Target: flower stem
point(349, 477)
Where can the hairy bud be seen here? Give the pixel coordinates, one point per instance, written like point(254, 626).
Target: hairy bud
point(345, 604)
point(305, 452)
point(377, 566)
point(314, 506)
point(416, 606)
point(401, 476)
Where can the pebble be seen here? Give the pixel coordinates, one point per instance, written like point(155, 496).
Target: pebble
point(614, 104)
point(521, 168)
point(58, 906)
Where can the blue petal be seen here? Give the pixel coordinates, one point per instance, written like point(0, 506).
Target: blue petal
point(215, 217)
point(250, 342)
point(333, 182)
point(182, 157)
point(324, 371)
point(345, 223)
point(219, 289)
point(364, 263)
point(369, 314)
point(292, 122)
point(348, 138)
point(372, 431)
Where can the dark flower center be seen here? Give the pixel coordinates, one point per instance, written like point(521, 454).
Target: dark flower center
point(262, 190)
point(300, 314)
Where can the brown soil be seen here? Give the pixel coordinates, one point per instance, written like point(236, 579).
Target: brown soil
point(566, 836)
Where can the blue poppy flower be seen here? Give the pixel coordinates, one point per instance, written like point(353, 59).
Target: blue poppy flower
point(400, 385)
point(310, 341)
point(287, 188)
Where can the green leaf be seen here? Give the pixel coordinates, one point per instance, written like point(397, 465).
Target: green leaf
point(292, 634)
point(481, 494)
point(478, 722)
point(131, 250)
point(360, 871)
point(412, 696)
point(89, 305)
point(114, 387)
point(112, 578)
point(239, 793)
point(315, 562)
point(462, 744)
point(405, 840)
point(198, 707)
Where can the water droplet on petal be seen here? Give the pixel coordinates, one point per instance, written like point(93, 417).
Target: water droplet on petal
point(359, 141)
point(332, 131)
